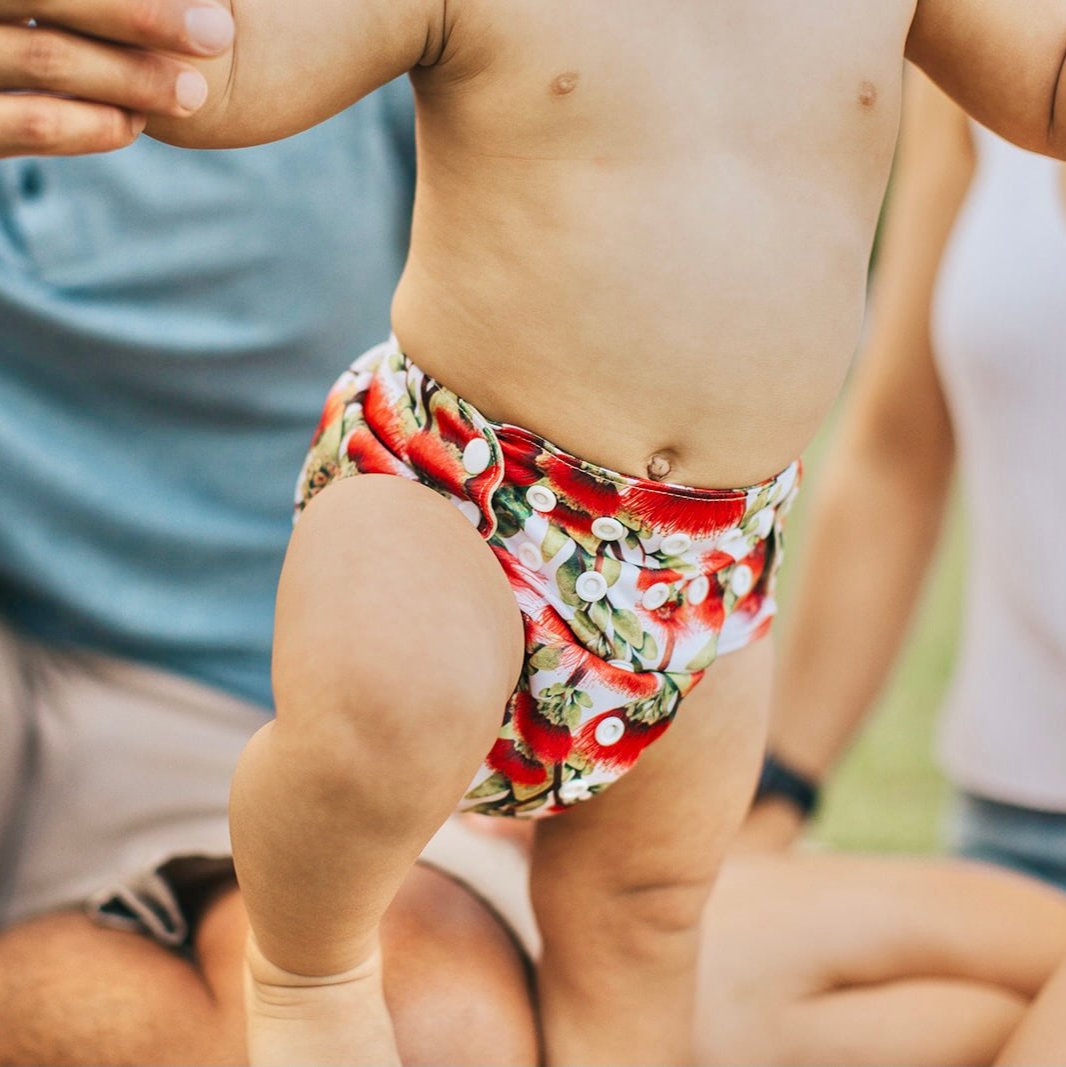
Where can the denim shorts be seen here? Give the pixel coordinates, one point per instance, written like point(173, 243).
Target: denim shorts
point(1023, 839)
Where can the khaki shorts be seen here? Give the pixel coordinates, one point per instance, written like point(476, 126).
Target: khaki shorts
point(114, 780)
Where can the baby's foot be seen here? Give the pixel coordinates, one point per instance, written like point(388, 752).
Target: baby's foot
point(332, 1020)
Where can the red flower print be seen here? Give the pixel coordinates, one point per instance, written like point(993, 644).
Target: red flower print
point(592, 495)
point(696, 516)
point(521, 770)
point(379, 411)
point(370, 456)
point(545, 626)
point(452, 426)
point(336, 402)
point(549, 741)
point(621, 755)
point(520, 459)
point(437, 462)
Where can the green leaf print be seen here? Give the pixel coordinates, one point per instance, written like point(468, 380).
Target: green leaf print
point(599, 614)
point(523, 793)
point(566, 578)
point(492, 786)
point(545, 659)
point(705, 657)
point(627, 625)
point(610, 568)
point(506, 523)
point(583, 698)
point(572, 715)
point(555, 540)
point(585, 632)
point(649, 650)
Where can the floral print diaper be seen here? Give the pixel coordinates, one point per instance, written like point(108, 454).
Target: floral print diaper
point(628, 588)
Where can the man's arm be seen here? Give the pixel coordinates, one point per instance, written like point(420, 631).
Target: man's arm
point(294, 65)
point(1003, 61)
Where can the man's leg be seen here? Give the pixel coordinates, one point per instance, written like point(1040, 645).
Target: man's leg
point(74, 993)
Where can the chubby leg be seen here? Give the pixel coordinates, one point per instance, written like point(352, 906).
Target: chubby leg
point(398, 643)
point(620, 883)
point(73, 993)
point(820, 959)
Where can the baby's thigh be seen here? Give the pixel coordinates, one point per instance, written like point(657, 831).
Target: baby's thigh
point(668, 822)
point(396, 622)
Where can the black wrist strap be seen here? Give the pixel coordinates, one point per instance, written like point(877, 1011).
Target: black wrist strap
point(780, 780)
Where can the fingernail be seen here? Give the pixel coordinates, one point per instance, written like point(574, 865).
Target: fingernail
point(191, 90)
point(138, 122)
point(209, 28)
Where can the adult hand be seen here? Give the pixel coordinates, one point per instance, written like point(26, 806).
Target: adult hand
point(78, 77)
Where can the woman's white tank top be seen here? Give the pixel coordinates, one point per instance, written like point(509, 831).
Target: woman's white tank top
point(999, 327)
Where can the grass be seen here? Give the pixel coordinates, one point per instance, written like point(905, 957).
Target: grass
point(887, 795)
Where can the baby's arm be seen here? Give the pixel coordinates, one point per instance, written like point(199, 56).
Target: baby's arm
point(294, 65)
point(1003, 61)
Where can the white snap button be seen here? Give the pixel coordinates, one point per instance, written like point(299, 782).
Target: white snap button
point(574, 790)
point(676, 544)
point(477, 455)
point(610, 731)
point(607, 529)
point(471, 511)
point(529, 556)
point(736, 544)
point(655, 596)
point(591, 586)
point(541, 498)
point(743, 579)
point(698, 590)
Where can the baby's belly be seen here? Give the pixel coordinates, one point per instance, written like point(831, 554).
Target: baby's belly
point(711, 392)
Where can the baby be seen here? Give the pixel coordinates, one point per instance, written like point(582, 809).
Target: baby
point(636, 278)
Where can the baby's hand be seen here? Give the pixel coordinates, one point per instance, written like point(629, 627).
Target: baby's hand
point(84, 78)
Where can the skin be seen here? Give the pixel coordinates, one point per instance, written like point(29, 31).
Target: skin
point(105, 59)
point(804, 960)
point(74, 993)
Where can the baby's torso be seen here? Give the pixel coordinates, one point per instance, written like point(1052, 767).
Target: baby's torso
point(644, 228)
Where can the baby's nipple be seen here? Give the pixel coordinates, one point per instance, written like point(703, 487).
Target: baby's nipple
point(659, 466)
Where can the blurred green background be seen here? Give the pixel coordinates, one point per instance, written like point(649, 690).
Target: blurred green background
point(888, 795)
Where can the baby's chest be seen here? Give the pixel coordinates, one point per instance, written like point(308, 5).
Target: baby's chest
point(589, 78)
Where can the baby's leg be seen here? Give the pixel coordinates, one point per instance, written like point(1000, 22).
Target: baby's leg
point(620, 882)
point(398, 643)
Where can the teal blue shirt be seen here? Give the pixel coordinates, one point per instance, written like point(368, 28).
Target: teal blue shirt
point(170, 322)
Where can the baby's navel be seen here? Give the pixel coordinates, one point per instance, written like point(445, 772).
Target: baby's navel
point(867, 95)
point(659, 466)
point(565, 83)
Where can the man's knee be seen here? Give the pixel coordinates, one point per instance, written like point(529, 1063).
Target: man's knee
point(457, 984)
point(72, 992)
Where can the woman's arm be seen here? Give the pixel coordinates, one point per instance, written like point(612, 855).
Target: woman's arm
point(293, 65)
point(877, 517)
